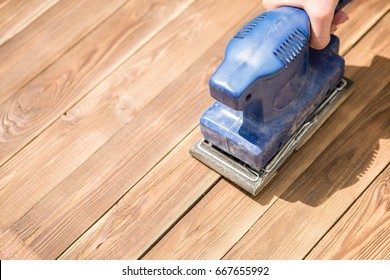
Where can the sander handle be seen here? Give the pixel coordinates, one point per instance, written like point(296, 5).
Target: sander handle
point(265, 54)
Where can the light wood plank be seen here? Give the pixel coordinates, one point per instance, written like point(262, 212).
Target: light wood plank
point(16, 15)
point(134, 224)
point(211, 226)
point(147, 138)
point(61, 85)
point(119, 229)
point(90, 61)
point(371, 12)
point(364, 231)
point(187, 233)
point(47, 38)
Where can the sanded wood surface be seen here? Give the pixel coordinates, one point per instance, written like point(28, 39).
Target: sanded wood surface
point(47, 38)
point(16, 15)
point(95, 133)
point(61, 86)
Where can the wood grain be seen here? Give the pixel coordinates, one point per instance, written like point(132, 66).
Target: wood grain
point(371, 12)
point(212, 226)
point(369, 81)
point(111, 177)
point(316, 200)
point(108, 236)
point(16, 15)
point(47, 38)
point(63, 84)
point(138, 220)
point(364, 231)
point(137, 138)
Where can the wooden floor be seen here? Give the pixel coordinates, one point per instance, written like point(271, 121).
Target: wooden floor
point(100, 102)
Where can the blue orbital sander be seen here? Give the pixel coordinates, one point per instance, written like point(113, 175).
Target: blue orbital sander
point(273, 92)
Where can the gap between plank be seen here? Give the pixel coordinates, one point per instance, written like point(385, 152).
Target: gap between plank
point(51, 5)
point(62, 54)
point(200, 197)
point(365, 33)
point(92, 88)
point(346, 210)
point(180, 218)
point(49, 124)
point(150, 170)
point(140, 179)
point(43, 70)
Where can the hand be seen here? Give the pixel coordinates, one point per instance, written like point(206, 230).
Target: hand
point(321, 14)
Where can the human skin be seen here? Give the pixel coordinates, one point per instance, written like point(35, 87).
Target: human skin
point(322, 18)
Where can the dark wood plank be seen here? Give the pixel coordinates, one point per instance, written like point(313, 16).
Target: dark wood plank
point(364, 231)
point(317, 199)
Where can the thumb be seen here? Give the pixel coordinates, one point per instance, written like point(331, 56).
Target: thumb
point(321, 17)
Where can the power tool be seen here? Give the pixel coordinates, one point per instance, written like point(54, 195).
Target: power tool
point(273, 91)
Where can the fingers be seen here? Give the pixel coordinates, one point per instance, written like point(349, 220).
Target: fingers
point(333, 28)
point(322, 19)
point(340, 18)
point(321, 15)
point(320, 22)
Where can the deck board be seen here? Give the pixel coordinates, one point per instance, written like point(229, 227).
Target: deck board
point(16, 15)
point(162, 55)
point(122, 232)
point(94, 160)
point(61, 85)
point(312, 204)
point(47, 38)
point(363, 232)
point(72, 138)
point(370, 13)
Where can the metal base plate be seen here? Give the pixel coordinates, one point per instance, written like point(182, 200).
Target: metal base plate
point(253, 181)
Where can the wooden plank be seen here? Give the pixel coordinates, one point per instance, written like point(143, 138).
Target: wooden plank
point(135, 141)
point(227, 230)
point(215, 229)
point(364, 231)
point(16, 15)
point(310, 207)
point(211, 225)
point(39, 103)
point(91, 60)
point(47, 38)
point(122, 230)
point(134, 224)
point(371, 12)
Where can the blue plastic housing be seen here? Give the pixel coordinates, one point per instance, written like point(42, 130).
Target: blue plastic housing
point(268, 84)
